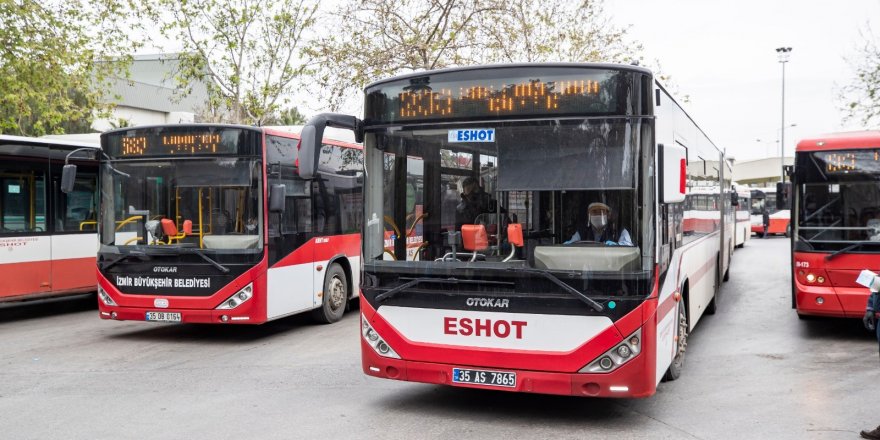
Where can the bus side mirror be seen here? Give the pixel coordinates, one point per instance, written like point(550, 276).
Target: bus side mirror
point(734, 199)
point(276, 198)
point(312, 136)
point(783, 194)
point(672, 162)
point(68, 178)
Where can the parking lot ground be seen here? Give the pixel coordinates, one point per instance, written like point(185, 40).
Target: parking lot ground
point(753, 371)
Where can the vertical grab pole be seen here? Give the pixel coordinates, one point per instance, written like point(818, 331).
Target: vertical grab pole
point(201, 228)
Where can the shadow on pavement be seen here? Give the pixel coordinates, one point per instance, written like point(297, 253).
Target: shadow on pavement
point(481, 405)
point(819, 328)
point(24, 310)
point(219, 333)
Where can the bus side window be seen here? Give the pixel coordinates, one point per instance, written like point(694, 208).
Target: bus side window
point(75, 211)
point(22, 201)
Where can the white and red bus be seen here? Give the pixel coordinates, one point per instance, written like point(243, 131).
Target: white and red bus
point(743, 222)
point(47, 238)
point(779, 211)
point(496, 299)
point(836, 206)
point(211, 224)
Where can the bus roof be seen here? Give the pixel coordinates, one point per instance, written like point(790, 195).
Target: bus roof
point(47, 140)
point(610, 66)
point(841, 141)
point(335, 136)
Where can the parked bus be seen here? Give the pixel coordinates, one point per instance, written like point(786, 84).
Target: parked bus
point(779, 211)
point(594, 155)
point(701, 205)
point(211, 224)
point(836, 222)
point(47, 238)
point(743, 220)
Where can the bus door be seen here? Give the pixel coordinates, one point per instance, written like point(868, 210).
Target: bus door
point(26, 244)
point(74, 231)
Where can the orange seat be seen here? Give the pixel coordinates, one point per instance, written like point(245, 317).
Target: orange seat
point(170, 230)
point(474, 237)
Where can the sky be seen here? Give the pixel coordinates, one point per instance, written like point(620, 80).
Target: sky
point(723, 55)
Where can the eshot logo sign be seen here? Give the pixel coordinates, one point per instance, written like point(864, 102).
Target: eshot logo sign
point(472, 135)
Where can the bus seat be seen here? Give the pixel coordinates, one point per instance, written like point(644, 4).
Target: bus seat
point(170, 229)
point(474, 237)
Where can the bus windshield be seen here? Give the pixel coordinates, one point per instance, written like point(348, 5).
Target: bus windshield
point(208, 203)
point(571, 185)
point(835, 196)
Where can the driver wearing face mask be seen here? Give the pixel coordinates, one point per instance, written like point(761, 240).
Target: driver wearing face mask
point(599, 229)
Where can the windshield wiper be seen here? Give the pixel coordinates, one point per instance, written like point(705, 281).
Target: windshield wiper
point(577, 293)
point(140, 255)
point(210, 260)
point(394, 291)
point(849, 248)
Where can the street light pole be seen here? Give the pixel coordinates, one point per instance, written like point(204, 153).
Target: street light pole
point(783, 54)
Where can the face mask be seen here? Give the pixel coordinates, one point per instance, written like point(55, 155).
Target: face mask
point(598, 221)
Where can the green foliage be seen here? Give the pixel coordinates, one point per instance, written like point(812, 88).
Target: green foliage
point(290, 116)
point(861, 97)
point(51, 79)
point(389, 37)
point(246, 52)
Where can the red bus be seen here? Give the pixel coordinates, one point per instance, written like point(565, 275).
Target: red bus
point(836, 222)
point(47, 238)
point(550, 214)
point(779, 209)
point(211, 224)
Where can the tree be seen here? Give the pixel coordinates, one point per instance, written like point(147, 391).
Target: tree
point(56, 59)
point(861, 97)
point(389, 37)
point(290, 116)
point(568, 31)
point(246, 52)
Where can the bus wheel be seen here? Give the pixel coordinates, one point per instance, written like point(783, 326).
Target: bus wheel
point(674, 371)
point(335, 296)
point(712, 307)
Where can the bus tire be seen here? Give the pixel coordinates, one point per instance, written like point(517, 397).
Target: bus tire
point(335, 297)
point(712, 307)
point(677, 365)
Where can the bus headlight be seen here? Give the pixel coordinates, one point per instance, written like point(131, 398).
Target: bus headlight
point(617, 355)
point(105, 298)
point(375, 341)
point(238, 298)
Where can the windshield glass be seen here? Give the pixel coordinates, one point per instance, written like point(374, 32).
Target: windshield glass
point(210, 204)
point(836, 198)
point(569, 185)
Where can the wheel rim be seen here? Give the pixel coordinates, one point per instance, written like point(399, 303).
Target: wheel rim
point(336, 290)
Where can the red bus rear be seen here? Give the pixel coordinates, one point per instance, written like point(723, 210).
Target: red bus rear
point(836, 222)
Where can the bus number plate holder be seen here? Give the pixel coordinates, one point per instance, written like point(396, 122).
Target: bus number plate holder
point(163, 316)
point(484, 377)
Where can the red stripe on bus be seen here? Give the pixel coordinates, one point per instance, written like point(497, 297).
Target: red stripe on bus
point(323, 249)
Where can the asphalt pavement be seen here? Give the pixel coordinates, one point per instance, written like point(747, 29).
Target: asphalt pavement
point(753, 371)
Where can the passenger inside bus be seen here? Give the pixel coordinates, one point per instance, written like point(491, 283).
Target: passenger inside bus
point(600, 228)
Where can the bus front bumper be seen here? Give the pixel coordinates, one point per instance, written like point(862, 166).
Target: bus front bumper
point(840, 302)
point(176, 316)
point(629, 380)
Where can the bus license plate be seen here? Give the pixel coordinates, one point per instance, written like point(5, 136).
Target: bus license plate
point(482, 377)
point(163, 316)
